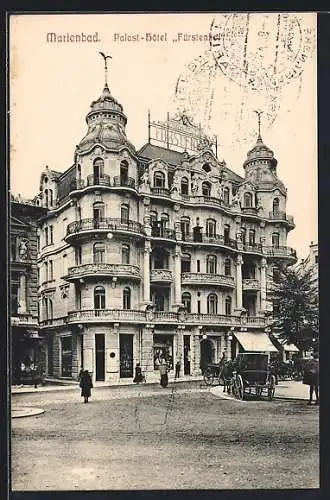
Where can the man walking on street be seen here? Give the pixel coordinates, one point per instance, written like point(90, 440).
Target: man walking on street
point(311, 378)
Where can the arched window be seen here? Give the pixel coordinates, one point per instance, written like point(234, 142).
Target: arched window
point(226, 196)
point(98, 253)
point(243, 235)
point(252, 237)
point(125, 251)
point(184, 185)
point(185, 263)
point(211, 228)
point(212, 304)
point(247, 200)
point(186, 301)
point(159, 179)
point(98, 211)
point(99, 297)
point(276, 206)
point(124, 213)
point(275, 240)
point(211, 264)
point(98, 166)
point(227, 267)
point(123, 173)
point(206, 189)
point(185, 227)
point(164, 219)
point(228, 306)
point(50, 309)
point(46, 198)
point(127, 298)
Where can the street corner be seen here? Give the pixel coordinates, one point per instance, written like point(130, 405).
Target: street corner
point(21, 411)
point(219, 393)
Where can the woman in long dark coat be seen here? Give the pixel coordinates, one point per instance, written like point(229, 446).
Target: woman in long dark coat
point(86, 385)
point(311, 378)
point(163, 373)
point(138, 374)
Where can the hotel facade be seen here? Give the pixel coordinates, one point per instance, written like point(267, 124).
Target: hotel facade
point(155, 253)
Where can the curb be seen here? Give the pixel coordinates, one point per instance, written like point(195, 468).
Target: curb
point(19, 412)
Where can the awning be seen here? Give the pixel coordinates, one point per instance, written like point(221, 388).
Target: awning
point(255, 342)
point(290, 348)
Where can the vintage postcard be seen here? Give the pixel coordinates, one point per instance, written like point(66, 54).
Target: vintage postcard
point(163, 251)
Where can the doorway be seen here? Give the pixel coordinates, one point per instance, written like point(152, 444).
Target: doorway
point(100, 356)
point(186, 354)
point(126, 355)
point(206, 353)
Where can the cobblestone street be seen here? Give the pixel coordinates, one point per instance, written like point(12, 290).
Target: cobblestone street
point(146, 437)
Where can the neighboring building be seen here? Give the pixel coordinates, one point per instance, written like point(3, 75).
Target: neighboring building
point(155, 253)
point(312, 262)
point(26, 342)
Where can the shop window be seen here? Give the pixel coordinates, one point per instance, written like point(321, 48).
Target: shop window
point(212, 304)
point(66, 356)
point(159, 179)
point(210, 228)
point(163, 350)
point(127, 298)
point(186, 301)
point(211, 264)
point(125, 254)
point(184, 186)
point(99, 297)
point(228, 304)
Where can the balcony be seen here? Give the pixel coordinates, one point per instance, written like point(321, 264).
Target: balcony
point(161, 276)
point(207, 279)
point(160, 191)
point(221, 319)
point(126, 271)
point(250, 285)
point(24, 320)
point(128, 182)
point(249, 211)
point(287, 252)
point(54, 322)
point(98, 180)
point(165, 317)
point(163, 233)
point(281, 216)
point(101, 315)
point(216, 239)
point(103, 225)
point(252, 247)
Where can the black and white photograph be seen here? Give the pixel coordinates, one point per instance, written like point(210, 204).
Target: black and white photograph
point(163, 251)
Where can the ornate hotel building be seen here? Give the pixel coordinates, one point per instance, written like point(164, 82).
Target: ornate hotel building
point(155, 252)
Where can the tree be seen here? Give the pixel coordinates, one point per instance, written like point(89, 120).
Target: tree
point(296, 312)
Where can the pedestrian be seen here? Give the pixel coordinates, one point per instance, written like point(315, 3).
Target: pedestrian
point(86, 385)
point(311, 377)
point(163, 373)
point(138, 374)
point(177, 369)
point(80, 373)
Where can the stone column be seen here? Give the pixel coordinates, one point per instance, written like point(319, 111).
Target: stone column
point(146, 272)
point(195, 353)
point(239, 284)
point(228, 345)
point(22, 294)
point(263, 295)
point(179, 348)
point(177, 275)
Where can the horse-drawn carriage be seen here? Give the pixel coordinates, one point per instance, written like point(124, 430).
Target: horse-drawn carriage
point(249, 371)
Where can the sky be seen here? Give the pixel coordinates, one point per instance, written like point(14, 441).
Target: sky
point(52, 85)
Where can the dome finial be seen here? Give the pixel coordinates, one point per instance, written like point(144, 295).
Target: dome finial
point(259, 113)
point(105, 68)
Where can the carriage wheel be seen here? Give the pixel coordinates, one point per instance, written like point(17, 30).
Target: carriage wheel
point(239, 387)
point(271, 388)
point(208, 377)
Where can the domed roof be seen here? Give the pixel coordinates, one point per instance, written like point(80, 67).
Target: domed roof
point(106, 102)
point(260, 151)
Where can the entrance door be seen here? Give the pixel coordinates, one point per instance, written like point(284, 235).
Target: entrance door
point(206, 353)
point(126, 356)
point(186, 354)
point(100, 356)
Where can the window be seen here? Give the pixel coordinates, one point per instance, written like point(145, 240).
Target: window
point(46, 271)
point(14, 298)
point(13, 249)
point(185, 227)
point(46, 198)
point(98, 211)
point(50, 309)
point(198, 306)
point(51, 236)
point(243, 235)
point(125, 254)
point(164, 220)
point(247, 200)
point(127, 298)
point(211, 264)
point(159, 302)
point(185, 263)
point(226, 234)
point(98, 253)
point(198, 264)
point(160, 258)
point(276, 205)
point(50, 193)
point(206, 189)
point(123, 173)
point(206, 167)
point(66, 356)
point(50, 270)
point(210, 228)
point(124, 214)
point(252, 237)
point(212, 304)
point(153, 217)
point(99, 297)
point(159, 179)
point(78, 256)
point(186, 301)
point(98, 166)
point(228, 306)
point(316, 259)
point(227, 267)
point(275, 240)
point(184, 185)
point(226, 196)
point(65, 265)
point(46, 236)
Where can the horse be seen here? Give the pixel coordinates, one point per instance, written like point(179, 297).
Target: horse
point(226, 373)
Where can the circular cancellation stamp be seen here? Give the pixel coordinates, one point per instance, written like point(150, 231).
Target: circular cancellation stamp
point(251, 48)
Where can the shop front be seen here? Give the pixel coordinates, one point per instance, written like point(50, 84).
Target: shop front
point(163, 350)
point(28, 357)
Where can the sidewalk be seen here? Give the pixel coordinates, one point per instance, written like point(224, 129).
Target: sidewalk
point(72, 385)
point(288, 389)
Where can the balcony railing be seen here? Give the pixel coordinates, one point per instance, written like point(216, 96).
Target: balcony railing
point(249, 211)
point(54, 322)
point(129, 315)
point(250, 284)
point(124, 182)
point(23, 320)
point(165, 317)
point(161, 276)
point(217, 239)
point(272, 251)
point(107, 224)
point(281, 216)
point(162, 232)
point(98, 180)
point(103, 269)
point(252, 247)
point(207, 278)
point(161, 191)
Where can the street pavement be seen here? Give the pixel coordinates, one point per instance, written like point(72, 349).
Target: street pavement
point(288, 389)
